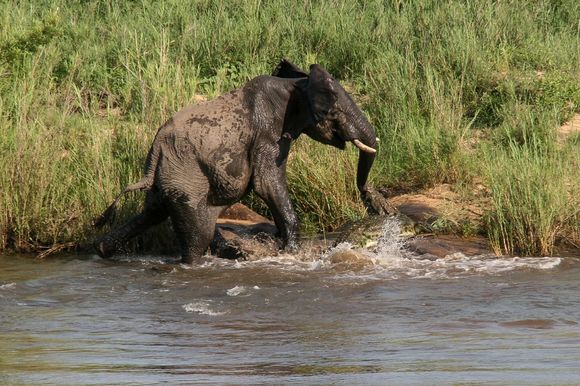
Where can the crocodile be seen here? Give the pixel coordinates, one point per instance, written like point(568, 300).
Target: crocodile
point(246, 243)
point(238, 239)
point(366, 232)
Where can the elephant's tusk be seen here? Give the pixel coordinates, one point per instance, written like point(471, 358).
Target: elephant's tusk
point(363, 147)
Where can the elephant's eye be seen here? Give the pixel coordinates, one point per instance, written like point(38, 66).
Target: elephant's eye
point(333, 115)
point(340, 119)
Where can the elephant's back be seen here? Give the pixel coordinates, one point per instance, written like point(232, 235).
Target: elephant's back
point(209, 144)
point(214, 124)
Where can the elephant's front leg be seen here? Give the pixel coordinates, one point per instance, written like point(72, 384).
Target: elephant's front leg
point(270, 184)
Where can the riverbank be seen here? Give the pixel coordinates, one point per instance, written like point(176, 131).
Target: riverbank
point(463, 94)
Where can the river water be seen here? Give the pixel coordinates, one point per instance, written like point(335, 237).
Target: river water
point(384, 318)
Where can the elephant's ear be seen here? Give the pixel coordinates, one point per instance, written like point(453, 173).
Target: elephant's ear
point(321, 92)
point(287, 69)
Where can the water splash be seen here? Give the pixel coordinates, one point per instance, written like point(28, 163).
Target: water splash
point(240, 289)
point(388, 259)
point(202, 307)
point(237, 290)
point(388, 250)
point(7, 286)
point(391, 243)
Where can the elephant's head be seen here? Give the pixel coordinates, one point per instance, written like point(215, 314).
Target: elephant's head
point(335, 117)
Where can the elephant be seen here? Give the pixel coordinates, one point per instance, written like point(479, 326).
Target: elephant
point(208, 156)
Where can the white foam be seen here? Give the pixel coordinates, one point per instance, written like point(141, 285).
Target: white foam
point(7, 286)
point(388, 259)
point(237, 290)
point(459, 265)
point(202, 307)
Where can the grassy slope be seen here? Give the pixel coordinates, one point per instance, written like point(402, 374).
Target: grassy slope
point(84, 85)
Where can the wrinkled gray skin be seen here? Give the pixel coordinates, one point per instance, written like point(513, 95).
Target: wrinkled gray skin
point(210, 155)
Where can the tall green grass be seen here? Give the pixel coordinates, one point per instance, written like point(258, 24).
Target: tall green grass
point(85, 84)
point(535, 197)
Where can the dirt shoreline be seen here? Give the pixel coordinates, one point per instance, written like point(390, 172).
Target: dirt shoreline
point(449, 213)
point(243, 233)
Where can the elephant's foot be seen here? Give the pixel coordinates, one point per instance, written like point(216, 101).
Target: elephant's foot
point(105, 247)
point(193, 254)
point(190, 259)
point(292, 246)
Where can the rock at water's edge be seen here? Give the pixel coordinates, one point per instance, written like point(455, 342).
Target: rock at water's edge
point(445, 245)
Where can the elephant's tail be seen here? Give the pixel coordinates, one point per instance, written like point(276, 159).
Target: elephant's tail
point(145, 183)
point(109, 214)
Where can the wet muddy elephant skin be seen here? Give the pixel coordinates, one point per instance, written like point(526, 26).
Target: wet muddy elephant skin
point(209, 155)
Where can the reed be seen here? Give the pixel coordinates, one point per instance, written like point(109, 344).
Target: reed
point(535, 196)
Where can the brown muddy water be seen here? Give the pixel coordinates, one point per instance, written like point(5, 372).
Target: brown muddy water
point(385, 318)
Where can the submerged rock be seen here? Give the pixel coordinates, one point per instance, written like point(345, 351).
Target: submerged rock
point(243, 242)
point(348, 260)
point(240, 212)
point(446, 245)
point(242, 234)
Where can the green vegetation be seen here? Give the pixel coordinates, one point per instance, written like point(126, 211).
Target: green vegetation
point(85, 84)
point(532, 202)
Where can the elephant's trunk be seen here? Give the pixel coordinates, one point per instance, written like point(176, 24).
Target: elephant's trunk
point(365, 162)
point(359, 131)
point(367, 144)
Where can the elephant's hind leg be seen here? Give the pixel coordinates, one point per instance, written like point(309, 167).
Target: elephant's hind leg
point(152, 215)
point(194, 227)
